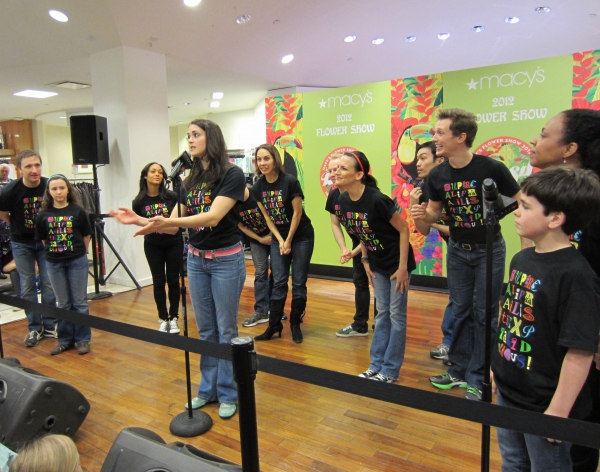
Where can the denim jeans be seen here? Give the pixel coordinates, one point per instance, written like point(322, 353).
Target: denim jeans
point(389, 338)
point(362, 294)
point(525, 452)
point(260, 258)
point(447, 324)
point(69, 281)
point(26, 254)
point(164, 262)
point(215, 289)
point(299, 260)
point(466, 281)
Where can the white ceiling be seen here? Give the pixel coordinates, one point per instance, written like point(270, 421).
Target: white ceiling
point(208, 51)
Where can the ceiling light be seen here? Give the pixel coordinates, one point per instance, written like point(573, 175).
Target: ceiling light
point(217, 95)
point(410, 39)
point(58, 16)
point(443, 35)
point(187, 103)
point(240, 20)
point(68, 84)
point(288, 58)
point(378, 41)
point(191, 3)
point(34, 94)
point(511, 20)
point(350, 38)
point(179, 122)
point(477, 29)
point(214, 104)
point(542, 9)
point(63, 117)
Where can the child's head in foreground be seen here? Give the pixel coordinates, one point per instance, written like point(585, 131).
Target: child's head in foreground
point(51, 453)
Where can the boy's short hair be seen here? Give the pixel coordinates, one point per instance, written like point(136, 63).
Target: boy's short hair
point(27, 153)
point(463, 121)
point(573, 192)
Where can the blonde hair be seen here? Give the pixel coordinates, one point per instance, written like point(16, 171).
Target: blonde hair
point(51, 453)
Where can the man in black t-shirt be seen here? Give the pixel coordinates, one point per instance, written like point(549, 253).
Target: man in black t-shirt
point(20, 202)
point(456, 186)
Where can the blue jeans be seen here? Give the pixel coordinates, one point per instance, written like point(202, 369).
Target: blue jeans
point(260, 258)
point(299, 260)
point(466, 281)
point(69, 281)
point(215, 289)
point(26, 254)
point(447, 324)
point(389, 338)
point(525, 452)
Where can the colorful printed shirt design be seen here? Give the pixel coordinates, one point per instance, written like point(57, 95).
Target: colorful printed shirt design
point(197, 201)
point(272, 200)
point(156, 209)
point(253, 218)
point(60, 234)
point(356, 224)
point(463, 204)
point(31, 207)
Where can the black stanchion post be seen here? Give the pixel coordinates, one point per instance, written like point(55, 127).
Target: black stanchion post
point(244, 373)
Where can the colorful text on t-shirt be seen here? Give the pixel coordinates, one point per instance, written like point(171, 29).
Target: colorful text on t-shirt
point(272, 200)
point(338, 213)
point(517, 320)
point(60, 233)
point(253, 219)
point(31, 207)
point(357, 225)
point(156, 209)
point(197, 201)
point(463, 204)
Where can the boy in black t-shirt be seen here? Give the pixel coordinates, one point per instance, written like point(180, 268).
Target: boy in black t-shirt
point(548, 327)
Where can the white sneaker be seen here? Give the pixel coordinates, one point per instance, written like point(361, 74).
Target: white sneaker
point(164, 326)
point(173, 327)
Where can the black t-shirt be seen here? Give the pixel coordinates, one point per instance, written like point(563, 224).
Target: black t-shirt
point(199, 200)
point(589, 243)
point(277, 199)
point(551, 305)
point(333, 206)
point(63, 230)
point(252, 218)
point(462, 196)
point(148, 207)
point(424, 198)
point(24, 204)
point(368, 219)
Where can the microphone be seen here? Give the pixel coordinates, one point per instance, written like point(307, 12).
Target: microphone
point(496, 203)
point(181, 163)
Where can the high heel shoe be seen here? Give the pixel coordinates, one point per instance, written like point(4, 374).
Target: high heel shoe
point(268, 334)
point(297, 334)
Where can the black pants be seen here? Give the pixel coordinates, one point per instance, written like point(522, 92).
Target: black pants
point(164, 265)
point(585, 459)
point(362, 295)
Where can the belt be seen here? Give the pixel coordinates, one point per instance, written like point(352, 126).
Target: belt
point(474, 247)
point(213, 253)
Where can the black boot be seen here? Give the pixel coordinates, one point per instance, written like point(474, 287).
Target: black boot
point(296, 315)
point(297, 334)
point(268, 334)
point(275, 325)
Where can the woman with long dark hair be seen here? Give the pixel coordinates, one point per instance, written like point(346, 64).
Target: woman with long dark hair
point(279, 197)
point(387, 256)
point(215, 265)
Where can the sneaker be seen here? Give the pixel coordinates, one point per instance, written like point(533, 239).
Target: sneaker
point(227, 410)
point(446, 361)
point(60, 348)
point(197, 402)
point(50, 333)
point(350, 331)
point(164, 326)
point(255, 319)
point(83, 347)
point(446, 381)
point(383, 378)
point(173, 327)
point(473, 393)
point(440, 352)
point(368, 374)
point(32, 339)
point(283, 317)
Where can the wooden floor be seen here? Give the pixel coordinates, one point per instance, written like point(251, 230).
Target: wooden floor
point(300, 426)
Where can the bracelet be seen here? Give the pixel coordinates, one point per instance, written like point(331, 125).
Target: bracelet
point(364, 259)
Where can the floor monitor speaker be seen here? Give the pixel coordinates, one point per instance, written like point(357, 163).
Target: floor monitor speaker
point(89, 139)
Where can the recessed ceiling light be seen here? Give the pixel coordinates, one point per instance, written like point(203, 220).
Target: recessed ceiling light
point(511, 20)
point(542, 9)
point(35, 94)
point(443, 35)
point(63, 117)
point(350, 38)
point(288, 58)
point(378, 41)
point(240, 20)
point(410, 39)
point(187, 103)
point(477, 29)
point(217, 95)
point(191, 3)
point(58, 16)
point(214, 104)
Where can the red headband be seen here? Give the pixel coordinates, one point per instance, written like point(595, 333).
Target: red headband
point(357, 160)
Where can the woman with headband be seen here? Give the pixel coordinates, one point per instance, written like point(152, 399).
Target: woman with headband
point(387, 256)
point(279, 197)
point(64, 228)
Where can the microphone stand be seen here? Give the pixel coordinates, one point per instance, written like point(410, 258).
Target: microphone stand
point(188, 423)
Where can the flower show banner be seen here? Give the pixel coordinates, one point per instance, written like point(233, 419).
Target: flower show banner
point(336, 120)
point(512, 103)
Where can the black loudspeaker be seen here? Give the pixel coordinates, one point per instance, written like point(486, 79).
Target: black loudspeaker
point(32, 405)
point(89, 139)
point(141, 450)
